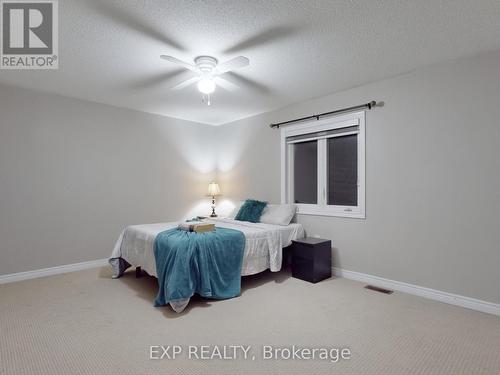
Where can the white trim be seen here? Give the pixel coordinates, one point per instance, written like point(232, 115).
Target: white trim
point(13, 277)
point(437, 295)
point(283, 166)
point(336, 122)
point(322, 176)
point(323, 137)
point(322, 208)
point(338, 211)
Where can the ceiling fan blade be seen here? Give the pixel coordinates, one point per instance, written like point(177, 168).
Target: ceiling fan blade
point(157, 79)
point(178, 62)
point(225, 84)
point(131, 21)
point(236, 63)
point(243, 81)
point(185, 83)
point(268, 36)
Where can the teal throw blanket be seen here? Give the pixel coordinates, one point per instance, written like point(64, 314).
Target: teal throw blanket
point(208, 264)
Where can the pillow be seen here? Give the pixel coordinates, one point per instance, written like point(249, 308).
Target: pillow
point(251, 211)
point(278, 214)
point(235, 210)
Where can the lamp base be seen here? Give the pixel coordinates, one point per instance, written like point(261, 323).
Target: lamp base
point(213, 207)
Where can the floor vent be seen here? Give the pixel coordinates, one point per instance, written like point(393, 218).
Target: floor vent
point(380, 290)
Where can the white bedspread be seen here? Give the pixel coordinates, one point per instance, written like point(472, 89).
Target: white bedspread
point(263, 244)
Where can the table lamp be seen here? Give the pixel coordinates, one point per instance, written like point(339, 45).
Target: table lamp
point(213, 190)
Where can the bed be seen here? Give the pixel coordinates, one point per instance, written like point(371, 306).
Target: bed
point(263, 246)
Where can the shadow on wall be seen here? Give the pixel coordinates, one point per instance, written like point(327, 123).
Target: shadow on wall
point(336, 258)
point(195, 148)
point(232, 145)
point(195, 145)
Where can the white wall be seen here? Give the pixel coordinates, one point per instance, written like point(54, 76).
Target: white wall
point(74, 173)
point(432, 172)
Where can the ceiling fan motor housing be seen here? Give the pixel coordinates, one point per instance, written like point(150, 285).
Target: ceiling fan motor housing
point(205, 64)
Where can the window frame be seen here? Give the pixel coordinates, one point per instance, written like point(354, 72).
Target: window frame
point(322, 208)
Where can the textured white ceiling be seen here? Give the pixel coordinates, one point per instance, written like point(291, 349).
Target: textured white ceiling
point(109, 50)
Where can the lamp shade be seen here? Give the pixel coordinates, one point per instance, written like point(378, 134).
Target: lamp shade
point(213, 189)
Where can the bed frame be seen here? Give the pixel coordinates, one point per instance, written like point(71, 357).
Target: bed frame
point(286, 262)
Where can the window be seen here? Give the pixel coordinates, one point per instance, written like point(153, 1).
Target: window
point(305, 172)
point(323, 166)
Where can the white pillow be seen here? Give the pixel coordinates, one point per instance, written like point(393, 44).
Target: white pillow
point(278, 214)
point(235, 210)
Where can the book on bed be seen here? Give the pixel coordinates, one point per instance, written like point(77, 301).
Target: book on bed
point(198, 227)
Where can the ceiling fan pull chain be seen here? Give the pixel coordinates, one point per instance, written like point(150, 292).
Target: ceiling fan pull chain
point(206, 99)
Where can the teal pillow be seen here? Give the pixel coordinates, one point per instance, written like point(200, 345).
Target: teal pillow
point(251, 211)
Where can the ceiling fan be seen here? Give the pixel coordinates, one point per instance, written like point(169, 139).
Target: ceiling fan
point(208, 73)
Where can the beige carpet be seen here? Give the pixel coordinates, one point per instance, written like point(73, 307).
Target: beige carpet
point(87, 323)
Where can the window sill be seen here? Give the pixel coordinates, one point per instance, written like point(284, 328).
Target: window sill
point(354, 214)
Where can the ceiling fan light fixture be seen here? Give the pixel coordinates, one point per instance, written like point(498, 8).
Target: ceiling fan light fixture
point(206, 86)
point(208, 71)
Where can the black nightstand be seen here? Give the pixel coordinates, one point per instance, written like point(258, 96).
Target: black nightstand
point(312, 259)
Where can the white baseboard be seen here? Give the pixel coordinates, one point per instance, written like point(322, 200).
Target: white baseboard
point(10, 278)
point(437, 295)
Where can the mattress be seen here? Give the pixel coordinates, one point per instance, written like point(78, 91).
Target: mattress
point(263, 243)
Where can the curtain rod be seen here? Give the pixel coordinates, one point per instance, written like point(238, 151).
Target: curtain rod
point(369, 105)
